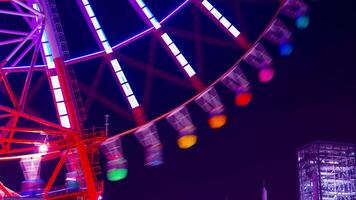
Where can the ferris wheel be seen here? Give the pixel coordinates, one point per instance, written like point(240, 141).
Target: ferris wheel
point(46, 111)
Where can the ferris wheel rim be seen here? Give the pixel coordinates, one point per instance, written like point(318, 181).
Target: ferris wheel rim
point(162, 116)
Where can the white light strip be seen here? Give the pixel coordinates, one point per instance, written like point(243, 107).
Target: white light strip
point(95, 22)
point(150, 17)
point(220, 18)
point(190, 71)
point(166, 40)
point(120, 75)
point(47, 50)
point(65, 121)
point(181, 59)
point(116, 65)
point(99, 31)
point(89, 10)
point(62, 108)
point(178, 55)
point(147, 12)
point(216, 13)
point(133, 101)
point(55, 84)
point(207, 5)
point(60, 103)
point(174, 49)
point(140, 3)
point(58, 95)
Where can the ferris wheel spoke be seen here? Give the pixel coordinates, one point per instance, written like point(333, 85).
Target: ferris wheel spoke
point(94, 86)
point(116, 68)
point(106, 102)
point(174, 79)
point(149, 74)
point(206, 39)
point(198, 43)
point(166, 41)
point(215, 15)
point(240, 19)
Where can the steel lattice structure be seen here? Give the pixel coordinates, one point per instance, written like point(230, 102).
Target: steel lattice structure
point(42, 47)
point(327, 171)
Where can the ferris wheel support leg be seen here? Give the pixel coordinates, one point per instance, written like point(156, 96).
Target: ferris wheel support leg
point(3, 188)
point(55, 173)
point(88, 175)
point(57, 70)
point(83, 154)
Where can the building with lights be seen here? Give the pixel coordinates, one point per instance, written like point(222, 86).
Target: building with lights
point(327, 171)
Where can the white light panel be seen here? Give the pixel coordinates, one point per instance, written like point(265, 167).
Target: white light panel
point(116, 65)
point(174, 49)
point(220, 18)
point(190, 71)
point(61, 108)
point(65, 121)
point(234, 31)
point(140, 3)
point(121, 76)
point(181, 59)
point(133, 101)
point(166, 39)
point(207, 5)
point(58, 95)
point(216, 13)
point(55, 82)
point(95, 22)
point(89, 10)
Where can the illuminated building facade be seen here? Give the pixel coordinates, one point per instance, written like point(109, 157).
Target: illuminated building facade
point(327, 171)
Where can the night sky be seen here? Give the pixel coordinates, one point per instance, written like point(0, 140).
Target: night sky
point(311, 98)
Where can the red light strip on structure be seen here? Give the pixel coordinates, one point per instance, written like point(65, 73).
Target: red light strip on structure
point(54, 81)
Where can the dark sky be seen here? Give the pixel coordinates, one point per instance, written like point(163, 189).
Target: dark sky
point(311, 98)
